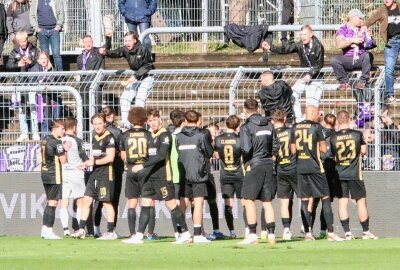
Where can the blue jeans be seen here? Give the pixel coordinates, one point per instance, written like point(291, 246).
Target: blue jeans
point(133, 27)
point(51, 37)
point(391, 52)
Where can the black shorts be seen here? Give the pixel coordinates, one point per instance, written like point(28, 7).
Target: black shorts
point(230, 189)
point(133, 185)
point(312, 185)
point(177, 187)
point(101, 190)
point(53, 191)
point(158, 190)
point(355, 188)
point(259, 184)
point(333, 183)
point(287, 185)
point(211, 189)
point(193, 190)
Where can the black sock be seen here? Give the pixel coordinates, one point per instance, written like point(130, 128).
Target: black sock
point(263, 222)
point(327, 208)
point(132, 220)
point(314, 211)
point(179, 218)
point(365, 225)
point(46, 215)
point(75, 225)
point(229, 217)
point(197, 231)
point(345, 225)
point(97, 210)
point(286, 223)
point(290, 211)
point(110, 227)
point(246, 225)
point(214, 215)
point(253, 228)
point(51, 216)
point(305, 216)
point(144, 218)
point(323, 221)
point(82, 224)
point(152, 220)
point(271, 227)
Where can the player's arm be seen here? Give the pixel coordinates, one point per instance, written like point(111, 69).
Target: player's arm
point(246, 144)
point(275, 145)
point(293, 149)
point(109, 158)
point(162, 151)
point(206, 145)
point(364, 147)
point(61, 151)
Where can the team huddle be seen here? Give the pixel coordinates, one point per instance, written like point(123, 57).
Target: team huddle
point(259, 160)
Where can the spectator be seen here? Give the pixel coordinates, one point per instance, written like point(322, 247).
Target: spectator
point(354, 40)
point(311, 55)
point(90, 59)
point(52, 102)
point(3, 28)
point(275, 95)
point(390, 139)
point(137, 14)
point(389, 29)
point(287, 16)
point(47, 20)
point(23, 58)
point(18, 20)
point(139, 85)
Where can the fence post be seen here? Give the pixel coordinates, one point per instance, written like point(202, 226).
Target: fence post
point(233, 91)
point(204, 18)
point(377, 121)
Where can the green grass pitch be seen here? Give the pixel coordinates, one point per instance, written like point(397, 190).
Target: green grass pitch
point(35, 253)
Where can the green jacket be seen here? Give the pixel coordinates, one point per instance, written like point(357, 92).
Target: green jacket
point(58, 10)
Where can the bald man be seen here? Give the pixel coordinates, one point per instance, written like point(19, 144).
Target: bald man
point(275, 95)
point(307, 143)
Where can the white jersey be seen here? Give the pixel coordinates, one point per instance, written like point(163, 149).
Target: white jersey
point(75, 155)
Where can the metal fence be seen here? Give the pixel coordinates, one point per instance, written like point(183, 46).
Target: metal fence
point(88, 16)
point(216, 93)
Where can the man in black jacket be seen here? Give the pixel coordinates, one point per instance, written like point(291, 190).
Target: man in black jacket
point(3, 27)
point(139, 85)
point(275, 95)
point(311, 56)
point(256, 140)
point(195, 150)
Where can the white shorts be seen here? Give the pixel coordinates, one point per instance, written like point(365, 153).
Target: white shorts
point(73, 185)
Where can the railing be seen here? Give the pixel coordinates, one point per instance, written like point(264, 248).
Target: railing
point(216, 93)
point(87, 17)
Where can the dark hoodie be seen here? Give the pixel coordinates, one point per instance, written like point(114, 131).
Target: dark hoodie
point(313, 60)
point(195, 150)
point(277, 96)
point(329, 162)
point(139, 59)
point(256, 138)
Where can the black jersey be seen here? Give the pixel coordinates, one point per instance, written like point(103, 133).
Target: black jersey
point(346, 148)
point(329, 162)
point(306, 136)
point(230, 153)
point(135, 142)
point(159, 154)
point(52, 148)
point(99, 147)
point(286, 161)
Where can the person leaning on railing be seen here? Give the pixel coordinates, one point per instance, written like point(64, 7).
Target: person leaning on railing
point(138, 86)
point(23, 58)
point(311, 55)
point(354, 40)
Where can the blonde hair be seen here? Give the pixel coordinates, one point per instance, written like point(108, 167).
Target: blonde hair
point(49, 65)
point(21, 35)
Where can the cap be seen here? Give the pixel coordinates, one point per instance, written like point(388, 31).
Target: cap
point(355, 13)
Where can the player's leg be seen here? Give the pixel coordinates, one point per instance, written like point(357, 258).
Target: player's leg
point(110, 234)
point(344, 217)
point(98, 213)
point(214, 213)
point(198, 220)
point(64, 216)
point(152, 222)
point(87, 202)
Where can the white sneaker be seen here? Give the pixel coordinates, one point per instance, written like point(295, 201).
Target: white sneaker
point(263, 235)
point(35, 137)
point(79, 234)
point(334, 237)
point(43, 231)
point(246, 232)
point(108, 236)
point(199, 239)
point(271, 239)
point(67, 233)
point(22, 138)
point(136, 239)
point(309, 237)
point(50, 235)
point(177, 235)
point(287, 235)
point(369, 236)
point(348, 236)
point(250, 239)
point(184, 238)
